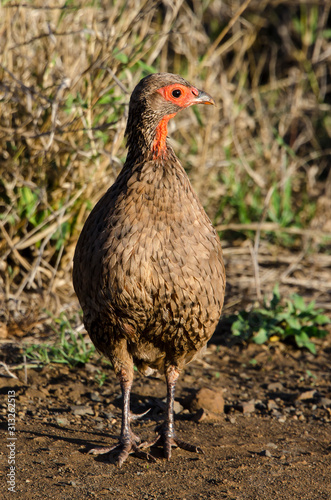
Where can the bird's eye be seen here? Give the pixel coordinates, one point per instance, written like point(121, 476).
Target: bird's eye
point(176, 93)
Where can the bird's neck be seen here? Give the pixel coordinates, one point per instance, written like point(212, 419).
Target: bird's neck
point(149, 140)
point(159, 146)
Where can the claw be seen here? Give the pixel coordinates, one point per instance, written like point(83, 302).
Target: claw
point(102, 450)
point(125, 449)
point(134, 416)
point(169, 441)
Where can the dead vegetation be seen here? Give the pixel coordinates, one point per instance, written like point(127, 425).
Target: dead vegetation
point(260, 161)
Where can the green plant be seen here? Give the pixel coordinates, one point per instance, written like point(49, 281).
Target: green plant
point(70, 348)
point(100, 377)
point(294, 321)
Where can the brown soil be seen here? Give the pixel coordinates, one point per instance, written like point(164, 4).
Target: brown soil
point(273, 440)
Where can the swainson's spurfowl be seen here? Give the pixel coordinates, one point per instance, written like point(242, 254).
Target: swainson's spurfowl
point(148, 268)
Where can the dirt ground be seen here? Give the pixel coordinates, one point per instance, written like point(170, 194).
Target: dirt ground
point(273, 440)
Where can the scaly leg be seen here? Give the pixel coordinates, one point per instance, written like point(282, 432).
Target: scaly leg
point(129, 442)
point(167, 433)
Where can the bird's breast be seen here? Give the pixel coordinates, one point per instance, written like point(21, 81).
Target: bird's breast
point(160, 240)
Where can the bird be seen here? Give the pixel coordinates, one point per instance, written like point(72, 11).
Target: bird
point(148, 269)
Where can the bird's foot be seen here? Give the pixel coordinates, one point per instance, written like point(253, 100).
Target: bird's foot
point(127, 445)
point(168, 440)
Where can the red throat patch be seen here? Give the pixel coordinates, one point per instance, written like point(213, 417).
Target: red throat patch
point(160, 142)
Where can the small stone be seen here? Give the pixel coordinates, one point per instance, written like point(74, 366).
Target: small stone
point(95, 396)
point(178, 408)
point(108, 414)
point(81, 410)
point(208, 399)
point(63, 421)
point(272, 405)
point(275, 387)
point(307, 395)
point(265, 453)
point(325, 402)
point(272, 445)
point(247, 407)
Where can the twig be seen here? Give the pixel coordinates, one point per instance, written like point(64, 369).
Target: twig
point(293, 265)
point(7, 370)
point(274, 227)
point(24, 263)
point(254, 256)
point(25, 370)
point(308, 283)
point(227, 28)
point(257, 178)
point(29, 239)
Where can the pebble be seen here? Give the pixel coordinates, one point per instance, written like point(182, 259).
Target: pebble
point(95, 396)
point(272, 405)
point(208, 399)
point(62, 421)
point(81, 410)
point(307, 395)
point(247, 407)
point(178, 408)
point(275, 387)
point(265, 453)
point(107, 414)
point(272, 445)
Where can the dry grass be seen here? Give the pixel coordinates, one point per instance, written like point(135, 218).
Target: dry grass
point(260, 161)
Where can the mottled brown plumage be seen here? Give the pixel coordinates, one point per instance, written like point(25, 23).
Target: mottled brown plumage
point(148, 268)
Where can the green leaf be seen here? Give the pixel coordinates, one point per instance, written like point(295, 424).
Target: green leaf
point(298, 302)
point(321, 319)
point(293, 323)
point(261, 337)
point(302, 340)
point(275, 297)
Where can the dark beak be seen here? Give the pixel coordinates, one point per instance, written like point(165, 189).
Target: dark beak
point(204, 98)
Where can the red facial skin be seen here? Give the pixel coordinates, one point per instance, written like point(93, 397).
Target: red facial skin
point(189, 96)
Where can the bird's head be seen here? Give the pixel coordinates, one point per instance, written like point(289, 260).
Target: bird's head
point(156, 99)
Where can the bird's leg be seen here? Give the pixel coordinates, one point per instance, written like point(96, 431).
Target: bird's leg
point(167, 433)
point(129, 442)
point(169, 428)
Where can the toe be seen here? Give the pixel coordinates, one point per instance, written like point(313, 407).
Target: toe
point(102, 450)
